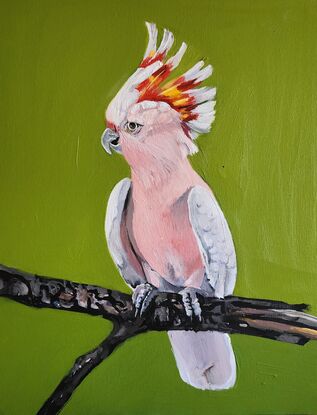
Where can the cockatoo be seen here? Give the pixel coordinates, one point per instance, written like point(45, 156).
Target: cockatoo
point(164, 228)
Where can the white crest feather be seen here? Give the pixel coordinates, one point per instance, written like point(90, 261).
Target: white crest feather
point(196, 106)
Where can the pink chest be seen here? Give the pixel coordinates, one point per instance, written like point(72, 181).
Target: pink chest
point(164, 238)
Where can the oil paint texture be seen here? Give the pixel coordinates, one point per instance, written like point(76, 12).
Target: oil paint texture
point(164, 227)
point(192, 295)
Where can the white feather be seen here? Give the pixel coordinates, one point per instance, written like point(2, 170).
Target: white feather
point(205, 360)
point(214, 238)
point(151, 27)
point(129, 94)
point(113, 223)
point(193, 134)
point(204, 107)
point(175, 60)
point(191, 73)
point(144, 73)
point(199, 127)
point(206, 118)
point(202, 94)
point(204, 73)
point(167, 42)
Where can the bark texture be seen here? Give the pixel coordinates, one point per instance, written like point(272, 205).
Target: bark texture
point(270, 319)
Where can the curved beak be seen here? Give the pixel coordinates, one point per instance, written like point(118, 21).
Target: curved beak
point(110, 140)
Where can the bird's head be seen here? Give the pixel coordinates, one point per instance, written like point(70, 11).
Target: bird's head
point(150, 120)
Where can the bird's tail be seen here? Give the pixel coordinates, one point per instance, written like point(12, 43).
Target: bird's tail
point(205, 360)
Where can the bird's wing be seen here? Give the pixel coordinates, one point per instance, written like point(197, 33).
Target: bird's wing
point(214, 239)
point(117, 237)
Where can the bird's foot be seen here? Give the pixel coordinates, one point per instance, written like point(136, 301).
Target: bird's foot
point(142, 297)
point(191, 302)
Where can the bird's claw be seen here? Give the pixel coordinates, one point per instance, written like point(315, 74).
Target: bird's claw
point(142, 297)
point(191, 302)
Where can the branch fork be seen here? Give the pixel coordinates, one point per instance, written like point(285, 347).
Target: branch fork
point(270, 319)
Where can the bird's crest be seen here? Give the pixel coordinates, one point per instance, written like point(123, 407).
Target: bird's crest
point(194, 105)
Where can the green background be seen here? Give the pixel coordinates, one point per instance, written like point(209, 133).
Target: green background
point(61, 63)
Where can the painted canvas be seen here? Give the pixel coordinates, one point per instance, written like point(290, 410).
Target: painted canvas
point(173, 272)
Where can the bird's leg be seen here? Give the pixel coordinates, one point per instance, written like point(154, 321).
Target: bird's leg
point(191, 302)
point(142, 297)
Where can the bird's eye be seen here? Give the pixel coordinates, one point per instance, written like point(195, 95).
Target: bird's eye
point(133, 127)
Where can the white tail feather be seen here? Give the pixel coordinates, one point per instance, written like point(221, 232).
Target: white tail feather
point(205, 360)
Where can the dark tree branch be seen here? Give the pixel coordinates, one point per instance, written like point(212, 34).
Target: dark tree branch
point(270, 319)
point(82, 367)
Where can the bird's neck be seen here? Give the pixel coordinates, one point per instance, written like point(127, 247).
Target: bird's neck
point(168, 177)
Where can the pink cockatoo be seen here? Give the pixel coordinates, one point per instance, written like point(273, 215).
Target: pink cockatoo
point(164, 228)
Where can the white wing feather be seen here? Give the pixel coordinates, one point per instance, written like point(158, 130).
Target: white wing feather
point(214, 239)
point(115, 208)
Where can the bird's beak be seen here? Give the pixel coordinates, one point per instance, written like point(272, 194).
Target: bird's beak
point(110, 140)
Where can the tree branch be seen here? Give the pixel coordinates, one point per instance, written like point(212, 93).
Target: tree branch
point(270, 319)
point(82, 367)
